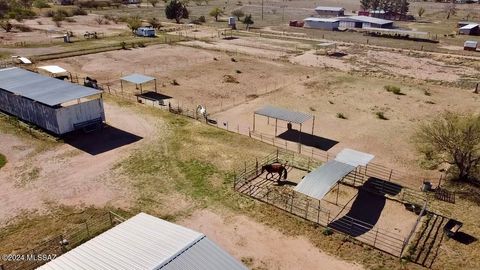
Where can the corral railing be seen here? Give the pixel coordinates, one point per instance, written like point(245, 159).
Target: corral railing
point(60, 244)
point(321, 212)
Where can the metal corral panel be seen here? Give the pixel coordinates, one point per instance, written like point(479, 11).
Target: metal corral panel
point(319, 182)
point(138, 78)
point(204, 255)
point(353, 157)
point(46, 90)
point(67, 117)
point(148, 243)
point(284, 114)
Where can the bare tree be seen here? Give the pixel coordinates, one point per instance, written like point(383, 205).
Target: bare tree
point(450, 9)
point(452, 139)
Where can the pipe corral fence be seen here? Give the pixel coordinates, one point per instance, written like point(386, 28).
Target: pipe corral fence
point(314, 210)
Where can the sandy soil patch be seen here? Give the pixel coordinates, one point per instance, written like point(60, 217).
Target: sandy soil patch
point(67, 174)
point(260, 246)
point(310, 58)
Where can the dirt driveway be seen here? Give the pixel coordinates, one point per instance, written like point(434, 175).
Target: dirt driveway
point(72, 173)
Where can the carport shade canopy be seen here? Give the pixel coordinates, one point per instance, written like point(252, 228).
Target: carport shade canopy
point(353, 157)
point(285, 115)
point(320, 181)
point(138, 79)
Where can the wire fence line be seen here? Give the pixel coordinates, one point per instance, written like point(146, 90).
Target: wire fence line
point(247, 181)
point(60, 244)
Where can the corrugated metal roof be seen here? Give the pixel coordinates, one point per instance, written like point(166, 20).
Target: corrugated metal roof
point(470, 44)
point(54, 69)
point(319, 182)
point(329, 8)
point(314, 19)
point(353, 157)
point(148, 243)
point(469, 26)
point(44, 89)
point(366, 19)
point(138, 78)
point(284, 114)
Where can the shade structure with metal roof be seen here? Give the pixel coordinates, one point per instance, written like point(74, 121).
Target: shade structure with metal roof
point(138, 79)
point(43, 89)
point(53, 69)
point(353, 157)
point(284, 114)
point(147, 243)
point(320, 181)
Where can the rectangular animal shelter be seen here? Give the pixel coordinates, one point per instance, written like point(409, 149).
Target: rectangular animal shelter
point(52, 104)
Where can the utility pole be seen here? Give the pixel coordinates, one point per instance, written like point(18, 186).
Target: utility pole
point(262, 10)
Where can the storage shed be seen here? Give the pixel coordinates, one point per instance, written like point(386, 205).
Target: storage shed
point(470, 29)
point(145, 32)
point(364, 21)
point(148, 243)
point(470, 45)
point(321, 23)
point(330, 11)
point(54, 105)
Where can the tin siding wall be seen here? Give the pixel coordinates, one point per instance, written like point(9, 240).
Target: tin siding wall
point(78, 113)
point(29, 111)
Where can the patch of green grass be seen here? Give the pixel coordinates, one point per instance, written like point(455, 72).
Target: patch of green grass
point(3, 160)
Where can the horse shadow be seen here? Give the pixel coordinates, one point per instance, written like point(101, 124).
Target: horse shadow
point(362, 216)
point(307, 139)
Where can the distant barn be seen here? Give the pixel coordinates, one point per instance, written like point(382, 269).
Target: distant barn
point(52, 104)
point(330, 11)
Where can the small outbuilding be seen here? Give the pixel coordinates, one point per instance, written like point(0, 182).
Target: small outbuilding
point(364, 22)
point(330, 11)
point(54, 105)
point(470, 29)
point(145, 32)
point(321, 23)
point(148, 243)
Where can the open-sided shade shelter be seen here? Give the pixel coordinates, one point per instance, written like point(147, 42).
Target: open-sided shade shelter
point(138, 80)
point(319, 182)
point(148, 243)
point(285, 115)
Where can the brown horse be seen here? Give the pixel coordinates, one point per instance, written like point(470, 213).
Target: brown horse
point(277, 168)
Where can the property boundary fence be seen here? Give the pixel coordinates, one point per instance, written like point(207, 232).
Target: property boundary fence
point(60, 244)
point(311, 209)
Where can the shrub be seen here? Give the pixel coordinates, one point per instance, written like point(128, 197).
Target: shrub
point(99, 20)
point(327, 231)
point(124, 45)
point(64, 13)
point(426, 93)
point(393, 89)
point(238, 71)
point(202, 19)
point(3, 160)
point(58, 17)
point(79, 12)
point(229, 79)
point(40, 4)
point(381, 115)
point(49, 13)
point(23, 28)
point(174, 82)
point(341, 116)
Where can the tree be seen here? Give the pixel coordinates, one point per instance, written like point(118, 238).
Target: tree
point(452, 139)
point(176, 10)
point(421, 11)
point(215, 12)
point(134, 23)
point(6, 25)
point(238, 13)
point(450, 9)
point(153, 2)
point(365, 4)
point(248, 21)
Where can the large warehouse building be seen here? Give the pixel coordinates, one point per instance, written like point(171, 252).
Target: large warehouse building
point(52, 104)
point(148, 243)
point(321, 23)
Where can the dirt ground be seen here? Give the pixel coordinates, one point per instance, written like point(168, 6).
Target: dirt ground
point(67, 173)
point(260, 247)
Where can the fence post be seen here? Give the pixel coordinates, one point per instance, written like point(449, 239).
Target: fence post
point(375, 240)
point(256, 166)
point(277, 154)
point(88, 231)
point(390, 176)
point(318, 212)
point(291, 204)
point(111, 219)
point(306, 209)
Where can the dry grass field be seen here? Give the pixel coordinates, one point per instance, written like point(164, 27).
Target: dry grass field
point(182, 170)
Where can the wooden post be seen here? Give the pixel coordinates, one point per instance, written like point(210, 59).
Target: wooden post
point(318, 212)
point(390, 176)
point(276, 121)
point(253, 121)
point(376, 234)
point(306, 209)
point(121, 85)
point(338, 190)
point(155, 85)
point(313, 124)
point(476, 89)
point(88, 231)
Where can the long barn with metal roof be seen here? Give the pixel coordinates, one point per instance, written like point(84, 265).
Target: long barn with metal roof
point(148, 243)
point(52, 104)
